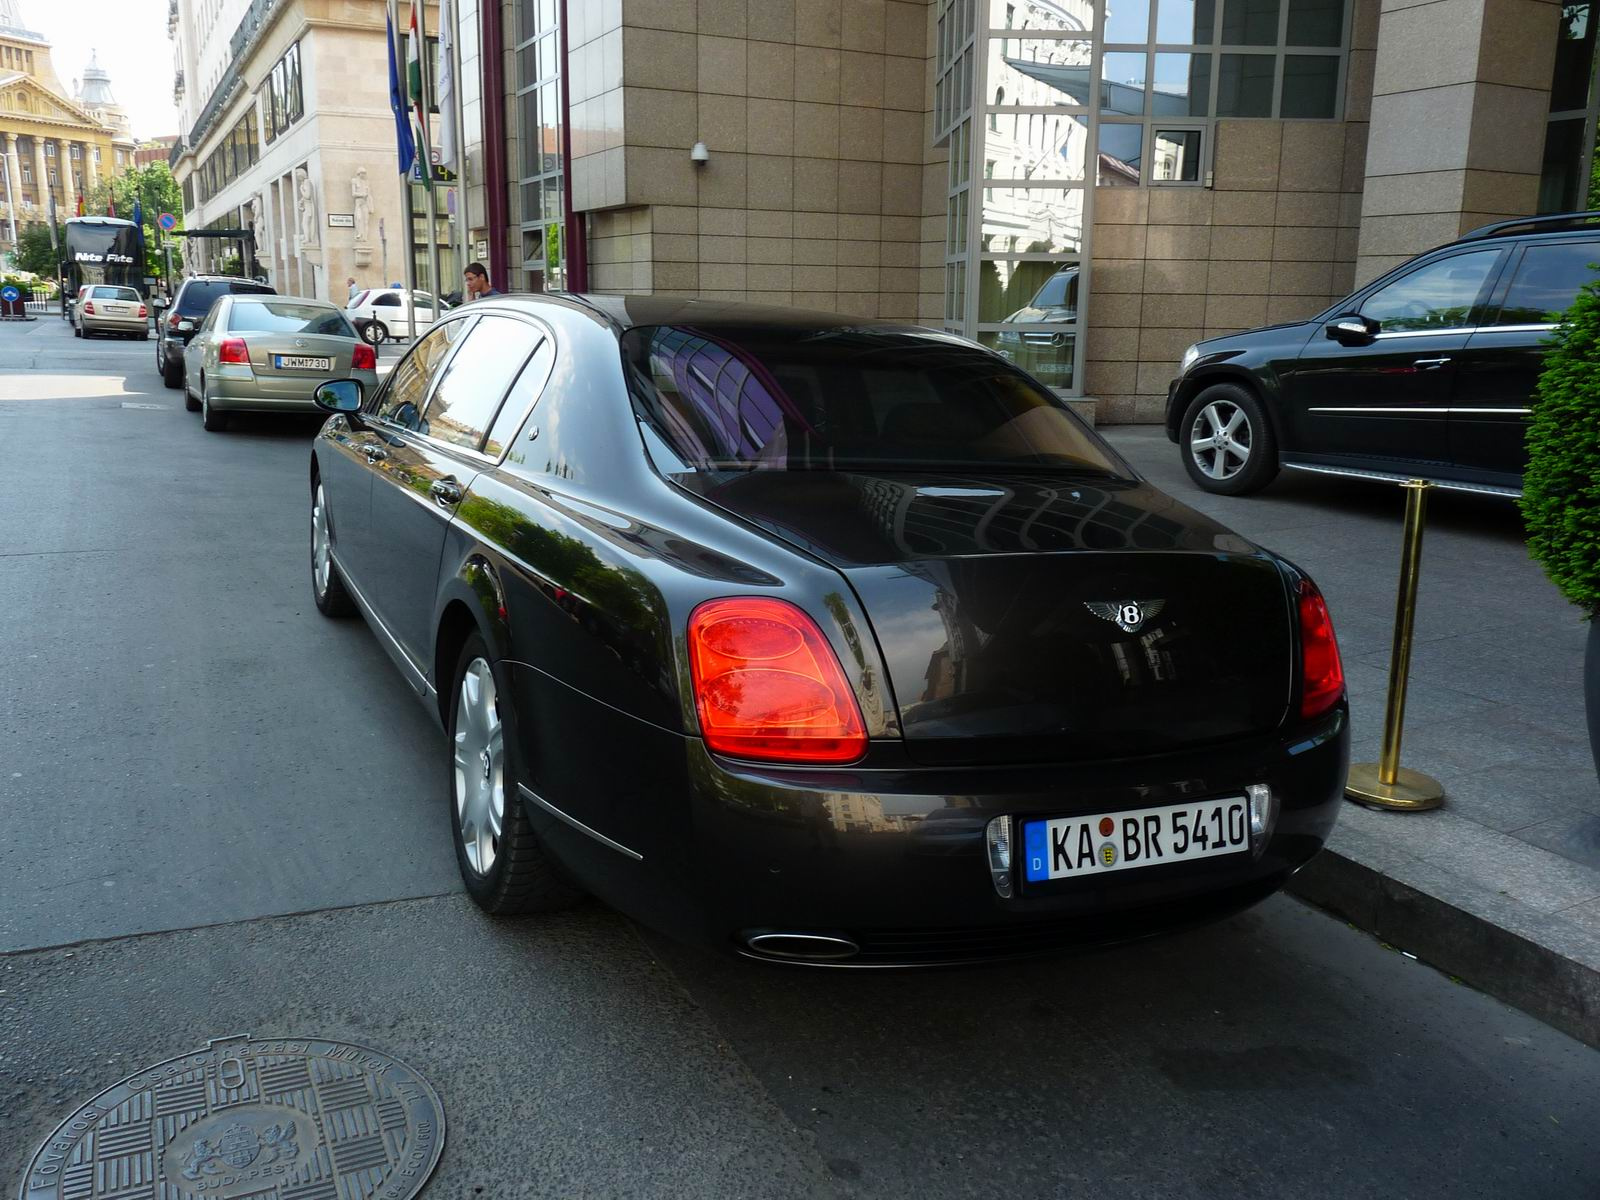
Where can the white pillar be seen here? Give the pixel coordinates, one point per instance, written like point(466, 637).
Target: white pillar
point(91, 172)
point(69, 177)
point(41, 179)
point(14, 165)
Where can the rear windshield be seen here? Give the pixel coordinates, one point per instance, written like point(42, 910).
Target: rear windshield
point(285, 316)
point(199, 296)
point(102, 292)
point(786, 399)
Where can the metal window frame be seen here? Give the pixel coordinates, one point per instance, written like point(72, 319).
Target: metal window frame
point(529, 14)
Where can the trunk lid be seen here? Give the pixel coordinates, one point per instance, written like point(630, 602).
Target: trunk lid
point(997, 601)
point(266, 349)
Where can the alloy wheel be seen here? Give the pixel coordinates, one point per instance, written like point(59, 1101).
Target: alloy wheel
point(1220, 439)
point(321, 553)
point(480, 782)
point(373, 333)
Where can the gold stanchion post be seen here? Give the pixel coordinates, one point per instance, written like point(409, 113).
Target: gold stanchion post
point(1385, 783)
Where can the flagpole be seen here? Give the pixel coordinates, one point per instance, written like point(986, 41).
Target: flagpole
point(463, 225)
point(407, 236)
point(426, 61)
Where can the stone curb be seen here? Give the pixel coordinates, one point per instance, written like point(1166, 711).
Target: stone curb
point(1537, 962)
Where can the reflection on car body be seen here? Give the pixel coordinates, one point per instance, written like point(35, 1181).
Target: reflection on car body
point(777, 632)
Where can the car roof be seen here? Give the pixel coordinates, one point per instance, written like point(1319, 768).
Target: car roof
point(275, 298)
point(225, 279)
point(626, 312)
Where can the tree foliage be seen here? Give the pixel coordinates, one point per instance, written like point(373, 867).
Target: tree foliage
point(157, 192)
point(34, 251)
point(1561, 487)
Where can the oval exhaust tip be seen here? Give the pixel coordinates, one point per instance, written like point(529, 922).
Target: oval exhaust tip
point(802, 947)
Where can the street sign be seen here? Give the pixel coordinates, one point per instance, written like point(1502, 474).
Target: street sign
point(9, 294)
point(167, 221)
point(341, 220)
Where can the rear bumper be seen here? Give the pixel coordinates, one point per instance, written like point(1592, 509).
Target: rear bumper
point(235, 389)
point(98, 324)
point(728, 851)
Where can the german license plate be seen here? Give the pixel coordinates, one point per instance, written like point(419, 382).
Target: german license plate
point(1078, 847)
point(301, 362)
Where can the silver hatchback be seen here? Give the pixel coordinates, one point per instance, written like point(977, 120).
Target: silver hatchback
point(268, 354)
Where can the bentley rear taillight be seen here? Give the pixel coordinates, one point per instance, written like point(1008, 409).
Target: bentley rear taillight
point(233, 350)
point(1321, 671)
point(768, 686)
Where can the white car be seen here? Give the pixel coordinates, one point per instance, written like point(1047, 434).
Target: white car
point(383, 313)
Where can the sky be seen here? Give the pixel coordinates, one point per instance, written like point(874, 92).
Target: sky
point(130, 37)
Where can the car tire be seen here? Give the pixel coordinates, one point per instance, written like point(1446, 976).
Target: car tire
point(327, 585)
point(174, 379)
point(374, 333)
point(210, 418)
point(77, 332)
point(511, 873)
point(1226, 441)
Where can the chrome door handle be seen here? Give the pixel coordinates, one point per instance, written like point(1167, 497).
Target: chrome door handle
point(1431, 364)
point(445, 491)
point(373, 451)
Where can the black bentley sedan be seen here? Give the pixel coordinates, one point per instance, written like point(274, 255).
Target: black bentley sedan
point(1426, 371)
point(820, 639)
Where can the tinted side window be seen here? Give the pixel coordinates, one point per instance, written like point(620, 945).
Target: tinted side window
point(476, 380)
point(387, 300)
point(524, 394)
point(402, 404)
point(251, 289)
point(197, 297)
point(1547, 282)
point(1440, 295)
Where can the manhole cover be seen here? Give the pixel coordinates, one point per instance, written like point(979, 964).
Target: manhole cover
point(290, 1119)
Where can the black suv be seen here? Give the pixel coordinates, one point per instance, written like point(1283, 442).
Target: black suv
point(1427, 371)
point(177, 325)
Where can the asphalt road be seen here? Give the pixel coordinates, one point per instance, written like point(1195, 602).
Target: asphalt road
point(224, 814)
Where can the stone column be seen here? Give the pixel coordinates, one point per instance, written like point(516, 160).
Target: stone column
point(90, 170)
point(1459, 97)
point(41, 177)
point(69, 178)
point(14, 165)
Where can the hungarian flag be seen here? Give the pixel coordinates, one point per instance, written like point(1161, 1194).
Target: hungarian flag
point(80, 204)
point(419, 102)
point(404, 143)
point(111, 205)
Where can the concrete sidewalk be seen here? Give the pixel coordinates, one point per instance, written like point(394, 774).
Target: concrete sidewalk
point(1501, 886)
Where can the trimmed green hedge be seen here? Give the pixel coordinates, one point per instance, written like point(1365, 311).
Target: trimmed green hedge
point(1561, 488)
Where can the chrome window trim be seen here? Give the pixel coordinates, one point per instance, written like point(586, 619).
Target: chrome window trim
point(577, 824)
point(1450, 330)
point(1382, 408)
point(1517, 328)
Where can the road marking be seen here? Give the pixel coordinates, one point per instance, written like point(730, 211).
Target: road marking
point(128, 404)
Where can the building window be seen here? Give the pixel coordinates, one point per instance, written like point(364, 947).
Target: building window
point(1209, 59)
point(54, 181)
point(76, 151)
point(539, 174)
point(282, 101)
point(1565, 183)
point(27, 172)
point(49, 149)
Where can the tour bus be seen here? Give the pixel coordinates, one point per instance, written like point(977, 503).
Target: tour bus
point(100, 250)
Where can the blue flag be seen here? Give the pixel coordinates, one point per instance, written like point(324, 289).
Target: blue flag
point(397, 101)
point(138, 221)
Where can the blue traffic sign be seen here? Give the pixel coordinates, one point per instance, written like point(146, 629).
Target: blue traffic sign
point(10, 294)
point(167, 221)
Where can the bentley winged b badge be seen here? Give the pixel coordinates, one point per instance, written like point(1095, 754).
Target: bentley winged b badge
point(1126, 615)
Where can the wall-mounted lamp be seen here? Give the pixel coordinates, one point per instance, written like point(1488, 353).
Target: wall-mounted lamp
point(699, 153)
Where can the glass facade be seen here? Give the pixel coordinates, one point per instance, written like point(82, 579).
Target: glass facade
point(1025, 88)
point(1566, 183)
point(536, 166)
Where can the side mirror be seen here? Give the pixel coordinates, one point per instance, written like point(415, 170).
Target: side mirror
point(339, 396)
point(1352, 329)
